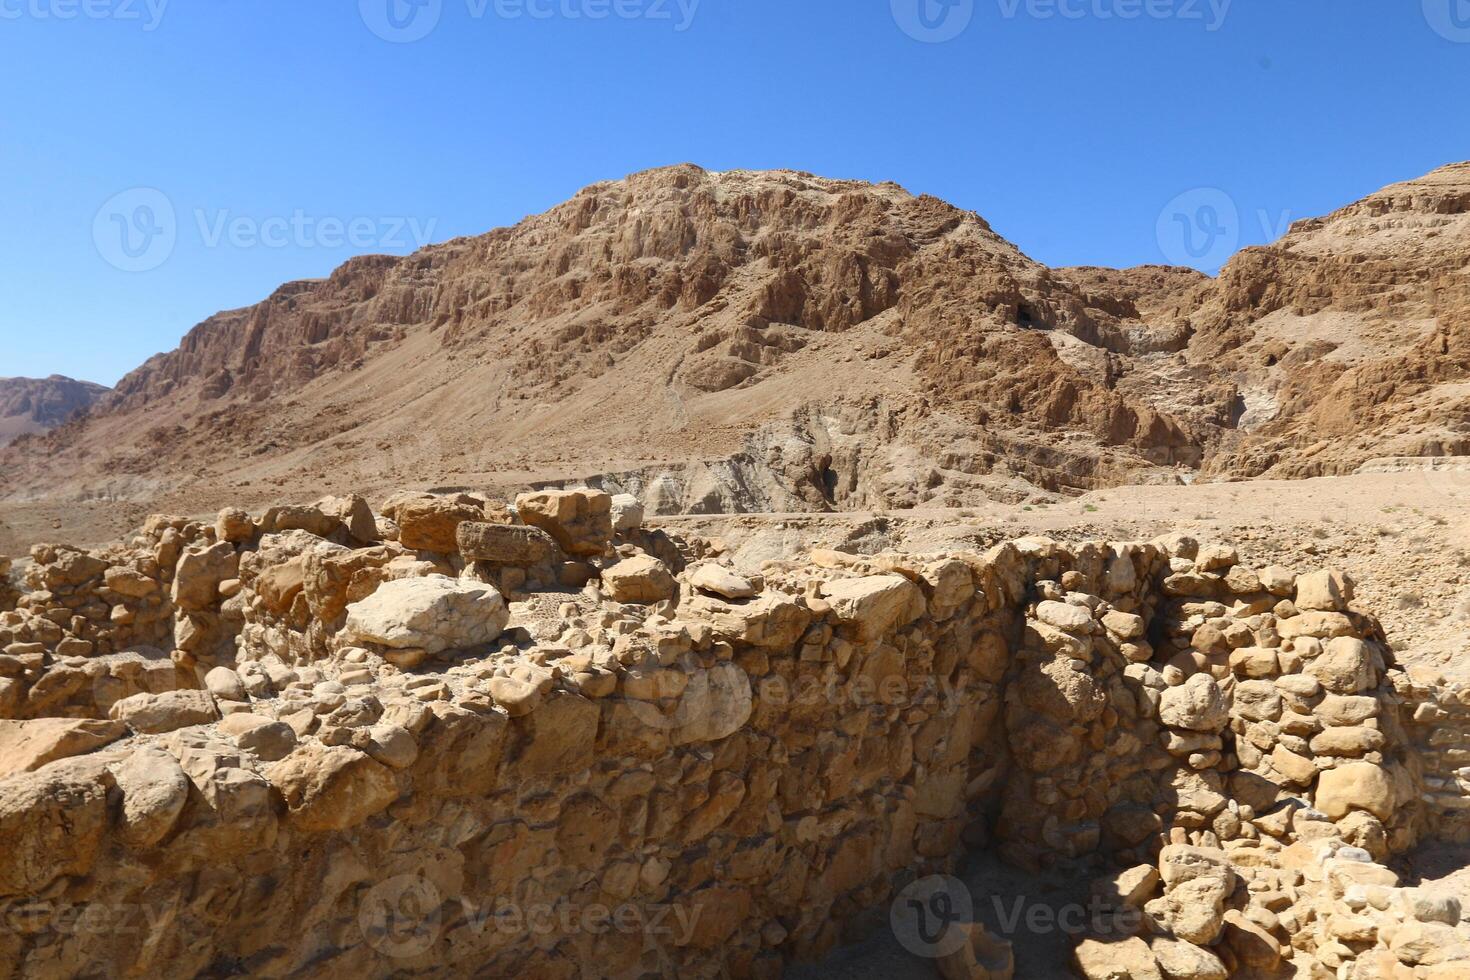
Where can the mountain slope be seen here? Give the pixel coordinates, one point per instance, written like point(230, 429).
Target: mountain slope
point(720, 339)
point(778, 341)
point(34, 405)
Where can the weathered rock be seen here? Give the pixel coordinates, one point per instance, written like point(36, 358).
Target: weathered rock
point(717, 580)
point(505, 544)
point(1124, 959)
point(871, 606)
point(234, 526)
point(154, 791)
point(329, 789)
point(1327, 591)
point(199, 574)
point(432, 614)
point(432, 523)
point(1180, 960)
point(579, 520)
point(627, 513)
point(268, 739)
point(1345, 666)
point(1355, 786)
point(225, 685)
point(641, 578)
point(26, 746)
point(1197, 705)
point(158, 713)
point(52, 824)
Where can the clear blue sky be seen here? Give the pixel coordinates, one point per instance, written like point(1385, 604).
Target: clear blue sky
point(1069, 124)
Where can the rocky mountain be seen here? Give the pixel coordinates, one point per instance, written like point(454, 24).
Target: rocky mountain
point(779, 341)
point(32, 405)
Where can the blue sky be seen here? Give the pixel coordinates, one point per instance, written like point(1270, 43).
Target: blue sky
point(285, 136)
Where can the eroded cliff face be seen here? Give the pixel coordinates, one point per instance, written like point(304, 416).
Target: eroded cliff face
point(667, 318)
point(460, 735)
point(35, 405)
point(759, 340)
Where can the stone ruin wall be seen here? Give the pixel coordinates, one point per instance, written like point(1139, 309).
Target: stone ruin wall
point(748, 768)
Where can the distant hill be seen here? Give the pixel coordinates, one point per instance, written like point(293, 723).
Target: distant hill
point(32, 405)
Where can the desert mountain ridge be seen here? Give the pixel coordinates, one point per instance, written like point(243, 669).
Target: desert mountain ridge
point(34, 405)
point(778, 341)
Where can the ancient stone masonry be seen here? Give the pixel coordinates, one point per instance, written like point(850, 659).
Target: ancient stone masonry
point(542, 740)
point(1440, 727)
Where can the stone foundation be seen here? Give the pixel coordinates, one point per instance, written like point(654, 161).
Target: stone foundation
point(723, 777)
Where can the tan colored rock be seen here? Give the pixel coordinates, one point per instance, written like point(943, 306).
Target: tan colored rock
point(154, 791)
point(1345, 666)
point(225, 685)
point(579, 520)
point(1197, 705)
point(332, 789)
point(505, 544)
point(352, 513)
point(432, 523)
point(199, 574)
point(1180, 960)
point(717, 580)
point(1355, 786)
point(980, 956)
point(234, 526)
point(1124, 959)
point(1252, 945)
point(52, 823)
point(26, 746)
point(432, 614)
point(874, 605)
point(270, 740)
point(1328, 591)
point(640, 579)
point(155, 714)
point(130, 582)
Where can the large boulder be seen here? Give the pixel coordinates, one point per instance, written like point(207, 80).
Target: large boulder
point(155, 714)
point(332, 788)
point(1197, 705)
point(872, 606)
point(1125, 959)
point(52, 822)
point(432, 523)
point(154, 789)
point(434, 614)
point(641, 578)
point(1356, 786)
point(199, 574)
point(353, 513)
point(627, 512)
point(505, 544)
point(579, 520)
point(26, 746)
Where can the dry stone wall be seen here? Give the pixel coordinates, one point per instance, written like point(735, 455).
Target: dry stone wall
point(531, 741)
